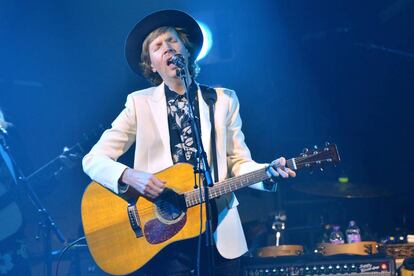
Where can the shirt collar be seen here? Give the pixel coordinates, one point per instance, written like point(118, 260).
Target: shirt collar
point(171, 95)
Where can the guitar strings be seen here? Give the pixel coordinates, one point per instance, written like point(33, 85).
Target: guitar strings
point(191, 197)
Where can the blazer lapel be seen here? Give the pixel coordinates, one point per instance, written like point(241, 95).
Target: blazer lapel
point(205, 124)
point(158, 106)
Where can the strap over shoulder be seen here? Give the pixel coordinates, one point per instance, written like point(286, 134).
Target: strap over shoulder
point(209, 94)
point(210, 97)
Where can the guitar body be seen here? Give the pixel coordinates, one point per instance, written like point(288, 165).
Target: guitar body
point(112, 241)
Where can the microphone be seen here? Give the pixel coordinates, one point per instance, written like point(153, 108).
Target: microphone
point(178, 60)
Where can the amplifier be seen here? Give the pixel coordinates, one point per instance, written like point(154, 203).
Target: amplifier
point(319, 265)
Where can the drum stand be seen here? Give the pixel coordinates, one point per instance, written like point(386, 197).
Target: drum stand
point(46, 222)
point(279, 227)
point(279, 223)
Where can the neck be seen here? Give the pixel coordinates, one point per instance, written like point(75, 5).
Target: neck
point(177, 84)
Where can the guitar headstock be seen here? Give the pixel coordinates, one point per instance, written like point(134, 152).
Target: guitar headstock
point(327, 154)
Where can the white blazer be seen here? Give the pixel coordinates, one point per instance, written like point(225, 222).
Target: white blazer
point(144, 121)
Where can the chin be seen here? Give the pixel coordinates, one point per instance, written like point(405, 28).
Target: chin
point(172, 74)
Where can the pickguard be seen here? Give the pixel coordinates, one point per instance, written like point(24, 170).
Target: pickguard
point(156, 231)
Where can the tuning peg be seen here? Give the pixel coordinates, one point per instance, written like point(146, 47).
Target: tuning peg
point(327, 144)
point(305, 150)
point(315, 147)
point(321, 169)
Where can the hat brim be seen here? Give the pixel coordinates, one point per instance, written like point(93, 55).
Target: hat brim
point(172, 18)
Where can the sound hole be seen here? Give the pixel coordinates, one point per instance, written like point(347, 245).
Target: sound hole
point(170, 205)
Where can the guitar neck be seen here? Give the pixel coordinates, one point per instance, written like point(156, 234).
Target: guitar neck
point(328, 154)
point(193, 198)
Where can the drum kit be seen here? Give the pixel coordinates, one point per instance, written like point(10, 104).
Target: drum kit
point(341, 189)
point(398, 249)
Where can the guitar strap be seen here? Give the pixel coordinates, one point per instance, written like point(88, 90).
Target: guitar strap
point(210, 97)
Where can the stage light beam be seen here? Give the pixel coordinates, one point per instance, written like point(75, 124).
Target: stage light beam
point(207, 40)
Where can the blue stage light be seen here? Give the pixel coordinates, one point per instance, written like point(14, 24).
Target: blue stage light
point(207, 42)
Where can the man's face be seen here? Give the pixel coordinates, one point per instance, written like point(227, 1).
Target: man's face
point(161, 49)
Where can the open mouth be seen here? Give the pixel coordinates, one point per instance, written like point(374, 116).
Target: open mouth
point(169, 61)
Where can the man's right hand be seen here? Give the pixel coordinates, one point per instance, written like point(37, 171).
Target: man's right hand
point(146, 184)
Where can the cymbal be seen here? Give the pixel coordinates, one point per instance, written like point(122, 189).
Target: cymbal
point(341, 189)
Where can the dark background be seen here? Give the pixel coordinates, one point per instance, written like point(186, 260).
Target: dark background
point(305, 72)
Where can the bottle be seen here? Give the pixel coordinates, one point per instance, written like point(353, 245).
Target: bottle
point(336, 236)
point(326, 233)
point(353, 234)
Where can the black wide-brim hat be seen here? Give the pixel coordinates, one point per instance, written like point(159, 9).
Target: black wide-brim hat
point(170, 18)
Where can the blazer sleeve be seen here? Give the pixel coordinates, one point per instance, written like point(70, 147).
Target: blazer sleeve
point(100, 164)
point(239, 158)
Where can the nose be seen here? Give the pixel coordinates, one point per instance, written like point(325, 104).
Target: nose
point(168, 48)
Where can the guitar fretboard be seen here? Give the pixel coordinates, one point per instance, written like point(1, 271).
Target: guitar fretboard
point(193, 197)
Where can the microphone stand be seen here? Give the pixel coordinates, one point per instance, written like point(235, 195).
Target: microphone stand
point(204, 169)
point(47, 222)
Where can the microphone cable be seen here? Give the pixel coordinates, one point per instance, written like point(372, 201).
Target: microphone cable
point(64, 251)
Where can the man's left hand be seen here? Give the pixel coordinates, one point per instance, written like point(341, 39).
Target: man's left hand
point(278, 168)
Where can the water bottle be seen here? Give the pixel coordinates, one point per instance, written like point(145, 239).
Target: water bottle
point(336, 236)
point(353, 234)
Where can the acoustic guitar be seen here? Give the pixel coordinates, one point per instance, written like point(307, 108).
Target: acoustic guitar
point(123, 236)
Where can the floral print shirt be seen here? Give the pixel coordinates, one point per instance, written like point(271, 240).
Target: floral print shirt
point(183, 147)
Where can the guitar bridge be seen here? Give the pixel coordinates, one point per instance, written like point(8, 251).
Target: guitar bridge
point(134, 219)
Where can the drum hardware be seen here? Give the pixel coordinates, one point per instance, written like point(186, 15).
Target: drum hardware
point(280, 250)
point(51, 169)
point(279, 225)
point(68, 159)
point(357, 248)
point(46, 222)
point(398, 251)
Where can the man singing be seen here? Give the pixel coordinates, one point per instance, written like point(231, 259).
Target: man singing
point(157, 120)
